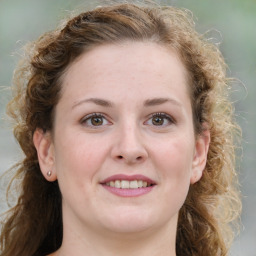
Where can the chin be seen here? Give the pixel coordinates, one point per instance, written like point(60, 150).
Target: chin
point(130, 221)
point(128, 228)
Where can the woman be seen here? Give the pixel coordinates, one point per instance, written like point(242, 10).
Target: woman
point(128, 134)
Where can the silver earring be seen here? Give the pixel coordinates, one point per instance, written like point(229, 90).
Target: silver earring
point(49, 173)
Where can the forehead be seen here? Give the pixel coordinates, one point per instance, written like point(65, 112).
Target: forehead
point(126, 63)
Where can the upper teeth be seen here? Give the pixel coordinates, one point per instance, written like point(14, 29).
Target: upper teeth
point(128, 184)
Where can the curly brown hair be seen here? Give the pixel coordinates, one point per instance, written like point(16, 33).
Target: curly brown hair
point(34, 225)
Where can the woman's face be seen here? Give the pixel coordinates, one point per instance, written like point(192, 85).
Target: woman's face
point(123, 147)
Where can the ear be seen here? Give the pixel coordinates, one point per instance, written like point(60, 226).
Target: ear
point(200, 156)
point(45, 153)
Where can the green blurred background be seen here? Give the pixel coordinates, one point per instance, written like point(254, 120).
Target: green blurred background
point(232, 23)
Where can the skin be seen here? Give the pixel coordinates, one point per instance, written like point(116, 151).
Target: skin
point(128, 141)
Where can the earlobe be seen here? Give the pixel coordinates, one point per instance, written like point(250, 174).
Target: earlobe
point(45, 153)
point(200, 156)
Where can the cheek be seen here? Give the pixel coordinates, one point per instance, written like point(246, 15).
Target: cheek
point(175, 160)
point(177, 153)
point(77, 164)
point(77, 157)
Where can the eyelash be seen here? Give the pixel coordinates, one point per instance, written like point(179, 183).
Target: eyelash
point(90, 117)
point(164, 116)
point(101, 116)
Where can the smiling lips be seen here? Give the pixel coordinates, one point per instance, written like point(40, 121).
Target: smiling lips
point(128, 186)
point(134, 184)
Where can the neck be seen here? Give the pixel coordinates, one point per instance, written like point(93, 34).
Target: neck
point(160, 242)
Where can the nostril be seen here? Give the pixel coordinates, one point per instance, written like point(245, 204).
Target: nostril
point(129, 158)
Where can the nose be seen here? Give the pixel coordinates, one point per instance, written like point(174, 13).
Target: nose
point(128, 146)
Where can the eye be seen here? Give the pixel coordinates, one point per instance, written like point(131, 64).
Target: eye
point(160, 119)
point(94, 120)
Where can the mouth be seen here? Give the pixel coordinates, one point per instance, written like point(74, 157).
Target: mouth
point(126, 184)
point(122, 184)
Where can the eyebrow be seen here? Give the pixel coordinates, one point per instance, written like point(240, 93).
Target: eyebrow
point(146, 103)
point(97, 101)
point(160, 101)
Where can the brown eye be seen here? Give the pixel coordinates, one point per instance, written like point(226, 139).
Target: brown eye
point(158, 120)
point(96, 121)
